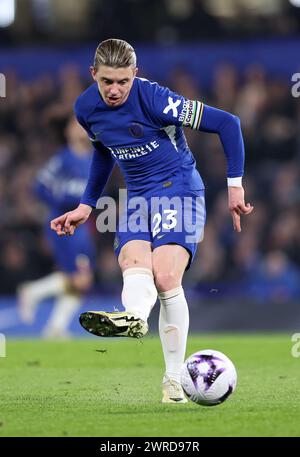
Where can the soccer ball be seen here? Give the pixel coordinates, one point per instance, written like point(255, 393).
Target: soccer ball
point(208, 377)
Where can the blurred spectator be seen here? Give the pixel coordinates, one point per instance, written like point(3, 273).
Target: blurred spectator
point(59, 185)
point(275, 279)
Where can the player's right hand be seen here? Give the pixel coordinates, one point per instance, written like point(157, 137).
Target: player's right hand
point(68, 222)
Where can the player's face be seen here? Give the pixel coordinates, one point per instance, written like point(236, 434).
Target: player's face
point(114, 83)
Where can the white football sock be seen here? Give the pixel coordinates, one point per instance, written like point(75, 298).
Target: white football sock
point(30, 294)
point(65, 308)
point(49, 286)
point(173, 330)
point(139, 293)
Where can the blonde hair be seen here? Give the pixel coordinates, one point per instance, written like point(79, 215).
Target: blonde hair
point(115, 53)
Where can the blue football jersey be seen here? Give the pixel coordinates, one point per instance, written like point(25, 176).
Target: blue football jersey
point(62, 180)
point(145, 137)
point(145, 134)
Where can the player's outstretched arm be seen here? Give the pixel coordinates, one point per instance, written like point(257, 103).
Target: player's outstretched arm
point(229, 129)
point(68, 222)
point(237, 206)
point(172, 109)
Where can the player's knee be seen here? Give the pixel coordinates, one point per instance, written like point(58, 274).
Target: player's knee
point(133, 261)
point(135, 254)
point(166, 280)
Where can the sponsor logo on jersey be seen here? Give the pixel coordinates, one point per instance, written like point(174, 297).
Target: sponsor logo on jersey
point(133, 152)
point(172, 106)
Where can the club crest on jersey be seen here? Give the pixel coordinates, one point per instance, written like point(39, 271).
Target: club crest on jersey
point(136, 130)
point(172, 106)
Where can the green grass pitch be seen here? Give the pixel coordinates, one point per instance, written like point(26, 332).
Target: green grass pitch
point(102, 387)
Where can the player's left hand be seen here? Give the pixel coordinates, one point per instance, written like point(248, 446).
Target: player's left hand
point(237, 206)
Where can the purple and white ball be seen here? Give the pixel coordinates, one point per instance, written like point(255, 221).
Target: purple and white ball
point(208, 377)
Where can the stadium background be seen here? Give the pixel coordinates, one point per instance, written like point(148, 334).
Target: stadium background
point(236, 55)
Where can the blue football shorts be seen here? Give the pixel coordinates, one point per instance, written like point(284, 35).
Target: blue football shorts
point(170, 215)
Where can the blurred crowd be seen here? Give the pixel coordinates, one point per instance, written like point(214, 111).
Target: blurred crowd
point(261, 263)
point(159, 21)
